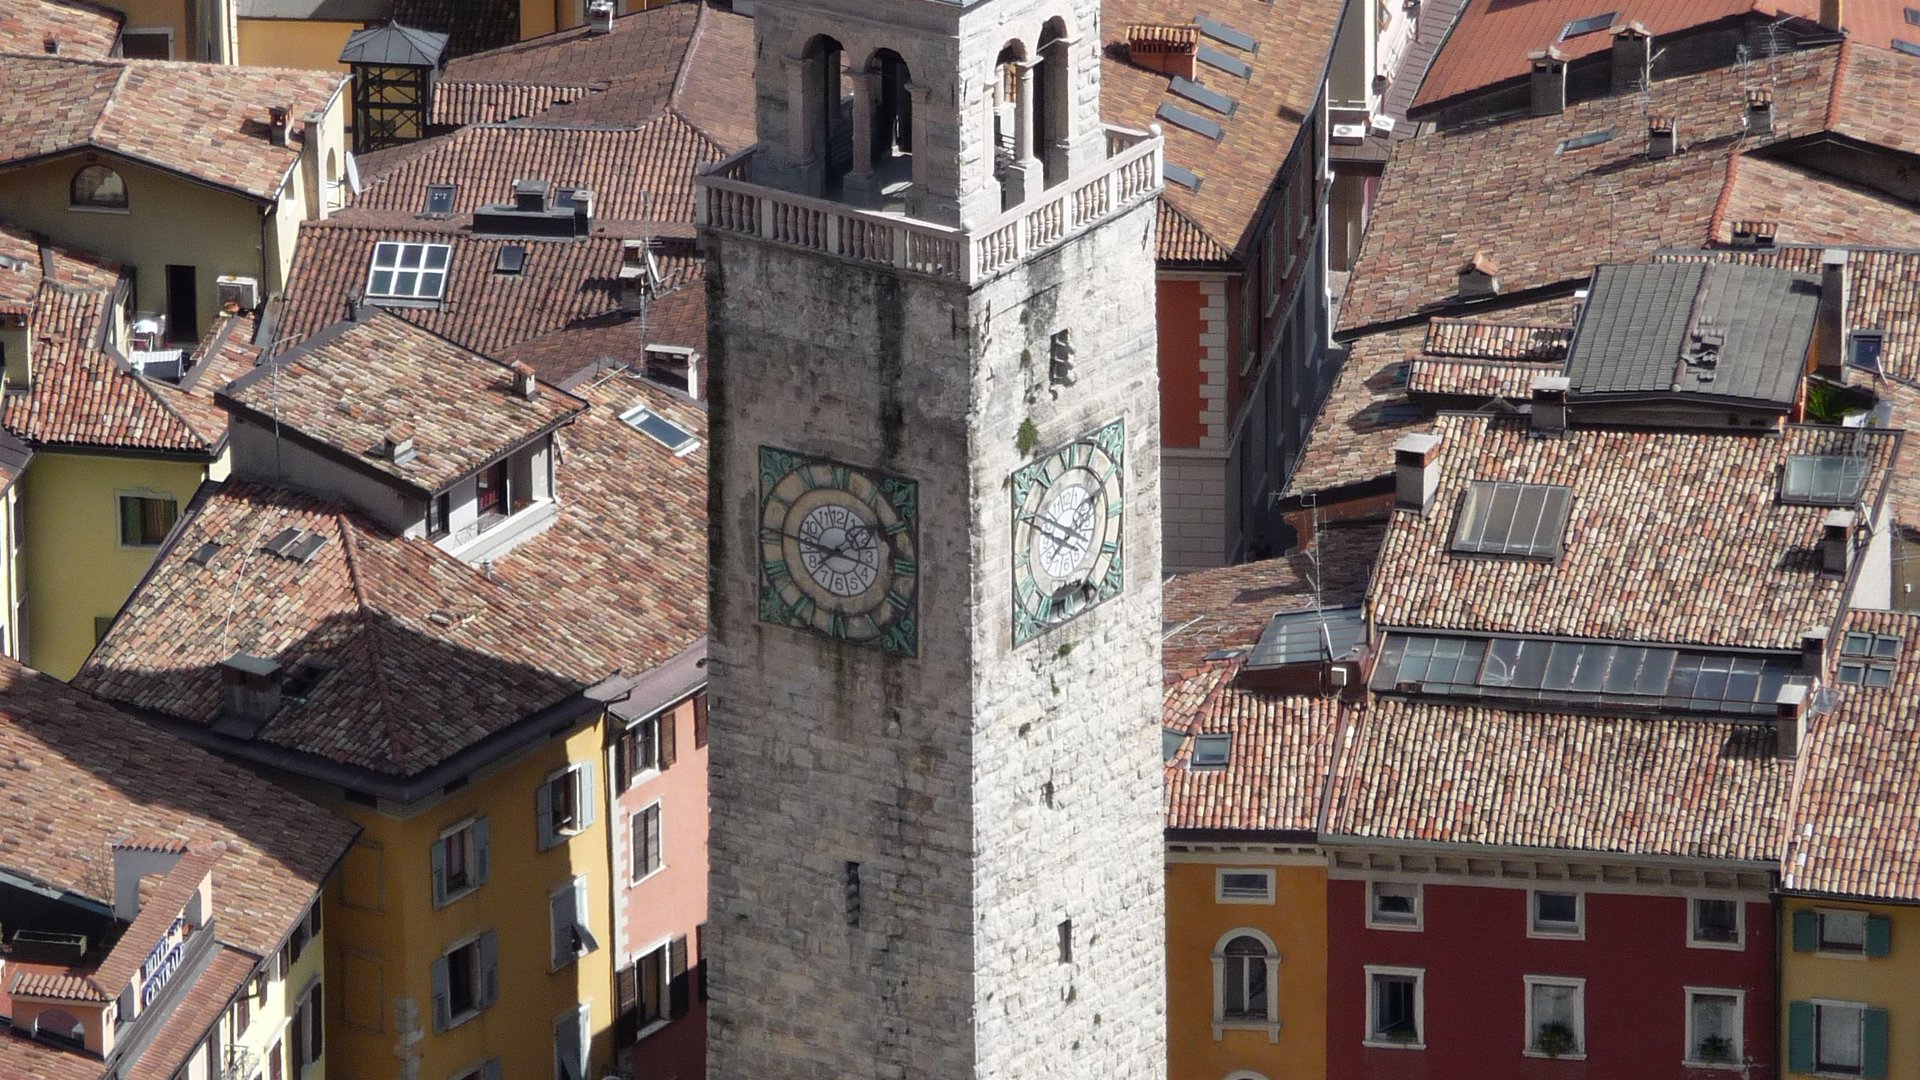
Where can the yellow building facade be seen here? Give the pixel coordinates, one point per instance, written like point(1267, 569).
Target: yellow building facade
point(1245, 920)
point(1847, 973)
point(75, 563)
point(393, 922)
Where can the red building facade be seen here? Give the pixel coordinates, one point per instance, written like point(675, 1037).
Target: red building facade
point(1644, 990)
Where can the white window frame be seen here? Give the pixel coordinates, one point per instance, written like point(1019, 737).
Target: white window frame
point(1830, 1003)
point(479, 987)
point(1419, 977)
point(635, 874)
point(582, 1017)
point(1579, 987)
point(1221, 1022)
point(1739, 942)
point(576, 890)
point(1820, 935)
point(465, 825)
point(1375, 922)
point(664, 947)
point(1579, 931)
point(576, 775)
point(638, 776)
point(315, 1022)
point(1220, 895)
point(416, 295)
point(1739, 1027)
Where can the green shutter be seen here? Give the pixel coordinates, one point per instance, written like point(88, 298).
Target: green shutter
point(1806, 931)
point(1873, 1057)
point(1800, 1031)
point(1879, 935)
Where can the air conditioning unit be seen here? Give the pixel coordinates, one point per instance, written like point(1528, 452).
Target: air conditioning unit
point(244, 292)
point(1348, 134)
point(149, 332)
point(600, 17)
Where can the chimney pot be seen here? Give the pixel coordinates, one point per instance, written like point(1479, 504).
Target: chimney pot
point(1830, 15)
point(600, 17)
point(1632, 58)
point(531, 196)
point(1662, 139)
point(1170, 50)
point(250, 687)
point(278, 120)
point(50, 46)
point(1831, 324)
point(1813, 651)
point(1759, 111)
point(398, 448)
point(1548, 82)
point(1550, 404)
point(582, 211)
point(1416, 470)
point(1755, 234)
point(1790, 719)
point(1479, 277)
point(1836, 541)
point(525, 385)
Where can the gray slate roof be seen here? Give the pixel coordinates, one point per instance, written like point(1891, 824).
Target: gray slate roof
point(1652, 329)
point(394, 45)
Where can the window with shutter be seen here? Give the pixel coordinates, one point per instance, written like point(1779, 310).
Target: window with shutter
point(653, 986)
point(465, 982)
point(669, 741)
point(489, 968)
point(646, 855)
point(626, 989)
point(677, 989)
point(570, 1046)
point(700, 721)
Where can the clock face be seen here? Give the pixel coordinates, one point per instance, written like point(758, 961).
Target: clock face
point(838, 551)
point(1069, 541)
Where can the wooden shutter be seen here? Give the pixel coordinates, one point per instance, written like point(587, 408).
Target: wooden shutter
point(482, 855)
point(318, 1018)
point(438, 855)
point(568, 1048)
point(1800, 1032)
point(654, 855)
point(1879, 936)
point(677, 990)
point(442, 1002)
point(1806, 932)
point(623, 760)
point(669, 748)
point(298, 1043)
point(626, 991)
point(1873, 1046)
point(543, 813)
point(489, 968)
point(700, 721)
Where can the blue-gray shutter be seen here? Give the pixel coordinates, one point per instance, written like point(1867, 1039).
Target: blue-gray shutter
point(560, 919)
point(1800, 1036)
point(482, 840)
point(1806, 931)
point(581, 917)
point(1873, 1045)
point(438, 856)
point(587, 795)
point(569, 1049)
point(543, 811)
point(1879, 936)
point(442, 1002)
point(489, 969)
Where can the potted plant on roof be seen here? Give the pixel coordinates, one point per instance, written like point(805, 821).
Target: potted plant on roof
point(1554, 1039)
point(1715, 1050)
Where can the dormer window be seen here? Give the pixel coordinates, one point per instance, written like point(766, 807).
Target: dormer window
point(511, 259)
point(1520, 520)
point(408, 272)
point(1823, 479)
point(1863, 350)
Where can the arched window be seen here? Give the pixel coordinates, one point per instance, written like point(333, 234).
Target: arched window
point(1053, 101)
point(1246, 969)
point(59, 1024)
point(823, 134)
point(99, 187)
point(1244, 1074)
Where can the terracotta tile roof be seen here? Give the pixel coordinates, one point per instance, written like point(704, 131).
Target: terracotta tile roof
point(1876, 94)
point(1182, 240)
point(1367, 409)
point(470, 25)
point(1237, 171)
point(79, 772)
point(1282, 746)
point(679, 318)
point(351, 386)
point(1673, 536)
point(1548, 217)
point(193, 1016)
point(1491, 39)
point(205, 121)
point(1699, 789)
point(1475, 379)
point(56, 984)
point(1852, 830)
point(686, 58)
point(1487, 340)
point(635, 174)
point(562, 283)
point(1809, 207)
point(1228, 607)
point(158, 909)
point(620, 578)
point(79, 28)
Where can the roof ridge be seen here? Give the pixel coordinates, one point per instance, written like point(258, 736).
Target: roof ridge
point(1834, 92)
point(686, 57)
point(152, 390)
point(1719, 215)
point(94, 134)
point(369, 628)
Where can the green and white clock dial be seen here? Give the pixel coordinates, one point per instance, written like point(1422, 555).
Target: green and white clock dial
point(839, 551)
point(1069, 536)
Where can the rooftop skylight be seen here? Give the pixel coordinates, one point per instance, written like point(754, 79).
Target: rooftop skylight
point(1213, 57)
point(1181, 175)
point(440, 198)
point(406, 271)
point(1581, 142)
point(512, 258)
point(1908, 47)
point(661, 430)
point(1863, 350)
point(1212, 751)
point(1525, 520)
point(1222, 32)
point(1170, 740)
point(1823, 479)
point(1174, 114)
point(1193, 91)
point(1592, 24)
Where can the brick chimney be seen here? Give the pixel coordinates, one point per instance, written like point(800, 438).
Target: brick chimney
point(1836, 542)
point(1760, 111)
point(278, 117)
point(1170, 50)
point(1662, 141)
point(525, 385)
point(1479, 277)
point(1813, 651)
point(1550, 404)
point(1548, 81)
point(1790, 720)
point(1416, 471)
point(1830, 15)
point(1632, 58)
point(1830, 328)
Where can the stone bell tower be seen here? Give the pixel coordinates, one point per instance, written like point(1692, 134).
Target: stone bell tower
point(935, 505)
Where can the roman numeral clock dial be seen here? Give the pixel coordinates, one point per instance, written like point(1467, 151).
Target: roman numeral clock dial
point(1069, 537)
point(838, 551)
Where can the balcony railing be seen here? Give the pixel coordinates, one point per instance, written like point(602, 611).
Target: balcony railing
point(1131, 174)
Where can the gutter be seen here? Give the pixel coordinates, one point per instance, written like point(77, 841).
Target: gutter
point(1494, 851)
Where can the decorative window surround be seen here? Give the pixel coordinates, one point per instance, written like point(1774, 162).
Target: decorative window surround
point(1223, 1023)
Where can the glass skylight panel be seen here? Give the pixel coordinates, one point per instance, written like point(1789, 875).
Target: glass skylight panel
point(1194, 122)
point(1193, 91)
point(1526, 520)
point(1213, 57)
point(1823, 479)
point(1913, 16)
point(1308, 637)
point(1180, 175)
point(1907, 47)
point(1592, 24)
point(661, 430)
point(1591, 138)
point(1863, 350)
point(1221, 32)
point(512, 258)
point(1212, 750)
point(1170, 740)
point(440, 198)
point(403, 271)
